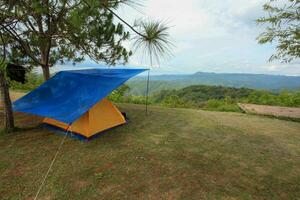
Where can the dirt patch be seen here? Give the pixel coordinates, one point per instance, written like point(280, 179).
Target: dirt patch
point(277, 111)
point(80, 185)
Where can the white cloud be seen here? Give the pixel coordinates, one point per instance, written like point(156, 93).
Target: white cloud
point(292, 69)
point(211, 35)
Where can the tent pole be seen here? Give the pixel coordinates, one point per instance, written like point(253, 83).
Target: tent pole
point(147, 91)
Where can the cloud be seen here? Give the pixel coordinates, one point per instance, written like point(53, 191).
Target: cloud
point(292, 69)
point(211, 35)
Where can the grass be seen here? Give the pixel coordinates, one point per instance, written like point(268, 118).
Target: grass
point(171, 154)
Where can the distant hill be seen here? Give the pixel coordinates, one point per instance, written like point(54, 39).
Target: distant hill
point(273, 83)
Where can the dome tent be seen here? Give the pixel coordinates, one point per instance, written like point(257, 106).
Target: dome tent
point(76, 99)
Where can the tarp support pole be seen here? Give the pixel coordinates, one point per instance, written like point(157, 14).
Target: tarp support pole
point(147, 91)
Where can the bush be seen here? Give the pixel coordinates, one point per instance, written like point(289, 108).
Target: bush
point(136, 100)
point(174, 101)
point(32, 81)
point(121, 95)
point(118, 94)
point(224, 105)
point(284, 98)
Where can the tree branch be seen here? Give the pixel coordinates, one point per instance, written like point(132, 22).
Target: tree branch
point(120, 18)
point(25, 46)
point(131, 27)
point(4, 49)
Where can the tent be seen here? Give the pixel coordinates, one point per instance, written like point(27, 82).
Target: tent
point(76, 100)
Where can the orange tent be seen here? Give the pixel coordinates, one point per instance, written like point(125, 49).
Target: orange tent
point(102, 116)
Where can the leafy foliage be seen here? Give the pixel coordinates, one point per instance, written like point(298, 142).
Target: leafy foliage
point(45, 32)
point(283, 28)
point(32, 81)
point(153, 39)
point(174, 101)
point(119, 93)
point(284, 98)
point(204, 92)
point(224, 105)
point(217, 98)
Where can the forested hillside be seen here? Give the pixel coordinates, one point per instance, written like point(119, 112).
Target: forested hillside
point(274, 83)
point(218, 98)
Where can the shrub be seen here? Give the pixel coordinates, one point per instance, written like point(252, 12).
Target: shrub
point(174, 101)
point(118, 94)
point(224, 105)
point(33, 80)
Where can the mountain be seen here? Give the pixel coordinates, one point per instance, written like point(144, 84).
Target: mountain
point(274, 83)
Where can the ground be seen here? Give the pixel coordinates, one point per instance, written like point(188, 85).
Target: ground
point(14, 95)
point(277, 111)
point(169, 154)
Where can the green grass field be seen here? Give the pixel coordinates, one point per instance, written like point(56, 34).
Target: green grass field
point(171, 154)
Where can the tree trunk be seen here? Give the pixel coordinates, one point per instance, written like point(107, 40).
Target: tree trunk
point(5, 99)
point(46, 72)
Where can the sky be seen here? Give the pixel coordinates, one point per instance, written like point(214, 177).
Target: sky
point(209, 36)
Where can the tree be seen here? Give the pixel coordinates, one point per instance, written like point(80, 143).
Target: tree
point(154, 40)
point(51, 31)
point(4, 92)
point(118, 94)
point(7, 106)
point(283, 22)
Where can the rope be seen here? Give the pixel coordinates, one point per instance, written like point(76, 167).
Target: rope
point(50, 167)
point(147, 91)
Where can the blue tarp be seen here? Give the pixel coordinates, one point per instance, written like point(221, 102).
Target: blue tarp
point(70, 94)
